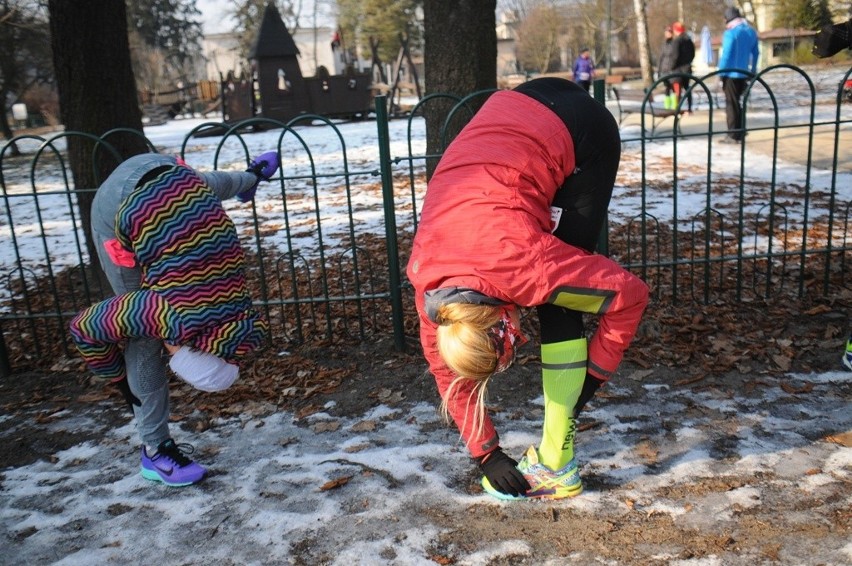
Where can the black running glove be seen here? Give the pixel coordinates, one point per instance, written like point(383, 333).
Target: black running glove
point(590, 387)
point(128, 395)
point(502, 473)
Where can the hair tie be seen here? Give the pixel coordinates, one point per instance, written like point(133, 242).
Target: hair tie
point(504, 337)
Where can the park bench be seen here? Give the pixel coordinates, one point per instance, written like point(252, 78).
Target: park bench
point(631, 102)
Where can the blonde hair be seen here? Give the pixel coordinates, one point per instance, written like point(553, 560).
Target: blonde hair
point(468, 350)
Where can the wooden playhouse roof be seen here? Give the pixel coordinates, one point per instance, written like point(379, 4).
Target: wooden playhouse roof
point(273, 39)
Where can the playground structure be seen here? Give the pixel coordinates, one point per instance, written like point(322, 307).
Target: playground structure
point(279, 91)
point(275, 88)
point(202, 98)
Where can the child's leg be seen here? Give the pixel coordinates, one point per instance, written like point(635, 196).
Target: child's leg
point(148, 380)
point(146, 368)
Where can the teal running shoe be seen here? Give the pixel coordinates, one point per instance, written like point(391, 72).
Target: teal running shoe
point(544, 482)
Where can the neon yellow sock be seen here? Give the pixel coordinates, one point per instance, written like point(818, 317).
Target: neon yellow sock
point(563, 372)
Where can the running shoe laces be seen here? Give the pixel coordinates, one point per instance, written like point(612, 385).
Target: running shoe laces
point(176, 452)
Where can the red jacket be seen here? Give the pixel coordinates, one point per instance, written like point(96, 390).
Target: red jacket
point(485, 225)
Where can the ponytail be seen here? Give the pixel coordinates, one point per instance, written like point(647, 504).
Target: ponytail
point(465, 345)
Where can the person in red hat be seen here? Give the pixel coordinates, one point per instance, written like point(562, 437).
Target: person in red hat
point(683, 52)
point(665, 64)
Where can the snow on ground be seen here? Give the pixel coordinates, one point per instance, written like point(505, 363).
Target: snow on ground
point(268, 497)
point(265, 503)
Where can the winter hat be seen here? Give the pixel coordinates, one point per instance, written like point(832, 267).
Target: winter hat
point(732, 13)
point(678, 28)
point(202, 370)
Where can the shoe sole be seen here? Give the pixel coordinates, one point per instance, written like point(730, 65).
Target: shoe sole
point(564, 493)
point(154, 476)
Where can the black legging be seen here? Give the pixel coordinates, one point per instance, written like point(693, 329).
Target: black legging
point(584, 196)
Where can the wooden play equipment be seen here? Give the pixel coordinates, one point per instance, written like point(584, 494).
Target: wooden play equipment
point(283, 93)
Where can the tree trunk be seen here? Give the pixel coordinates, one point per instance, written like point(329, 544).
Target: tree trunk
point(97, 92)
point(6, 129)
point(644, 45)
point(460, 58)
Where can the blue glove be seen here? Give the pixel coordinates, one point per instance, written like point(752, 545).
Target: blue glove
point(264, 165)
point(248, 195)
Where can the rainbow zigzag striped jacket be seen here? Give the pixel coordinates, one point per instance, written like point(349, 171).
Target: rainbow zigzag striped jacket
point(193, 289)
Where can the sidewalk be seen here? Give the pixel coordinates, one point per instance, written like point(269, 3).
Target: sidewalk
point(792, 141)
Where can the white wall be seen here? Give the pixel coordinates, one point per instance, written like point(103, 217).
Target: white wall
point(221, 53)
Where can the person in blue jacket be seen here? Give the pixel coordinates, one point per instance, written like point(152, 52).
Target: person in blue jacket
point(584, 69)
point(739, 54)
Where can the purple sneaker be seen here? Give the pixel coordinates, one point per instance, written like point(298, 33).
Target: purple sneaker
point(170, 466)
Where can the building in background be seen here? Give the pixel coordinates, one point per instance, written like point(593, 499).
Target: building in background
point(507, 57)
point(222, 56)
point(222, 53)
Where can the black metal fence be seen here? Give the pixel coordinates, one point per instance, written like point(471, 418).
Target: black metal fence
point(768, 217)
point(328, 238)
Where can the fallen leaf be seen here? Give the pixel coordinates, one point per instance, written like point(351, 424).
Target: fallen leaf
point(640, 374)
point(307, 411)
point(722, 344)
point(326, 426)
point(364, 426)
point(843, 439)
point(807, 387)
point(335, 483)
point(819, 309)
point(783, 362)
